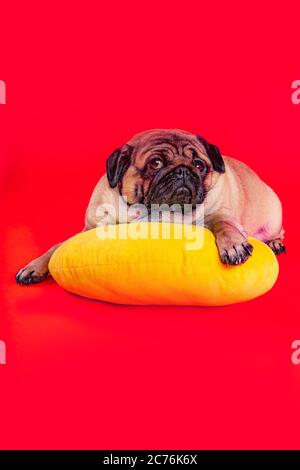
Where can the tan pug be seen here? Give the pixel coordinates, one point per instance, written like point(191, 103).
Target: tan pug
point(171, 166)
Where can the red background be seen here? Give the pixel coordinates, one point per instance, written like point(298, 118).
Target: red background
point(81, 80)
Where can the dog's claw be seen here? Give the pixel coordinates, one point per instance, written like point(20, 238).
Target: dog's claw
point(28, 276)
point(277, 246)
point(248, 248)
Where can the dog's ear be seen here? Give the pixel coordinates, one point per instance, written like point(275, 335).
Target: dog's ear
point(117, 164)
point(214, 154)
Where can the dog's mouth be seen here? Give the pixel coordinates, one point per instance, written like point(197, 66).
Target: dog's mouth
point(179, 188)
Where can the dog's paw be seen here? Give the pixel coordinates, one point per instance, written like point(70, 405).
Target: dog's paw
point(277, 246)
point(31, 275)
point(235, 253)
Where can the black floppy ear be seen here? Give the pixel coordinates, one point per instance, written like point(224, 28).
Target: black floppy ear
point(117, 164)
point(214, 154)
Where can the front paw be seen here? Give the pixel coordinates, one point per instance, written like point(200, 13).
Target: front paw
point(233, 253)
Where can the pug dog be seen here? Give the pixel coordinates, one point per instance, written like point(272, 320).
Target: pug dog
point(172, 166)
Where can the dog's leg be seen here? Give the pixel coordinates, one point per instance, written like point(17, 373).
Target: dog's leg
point(231, 241)
point(37, 270)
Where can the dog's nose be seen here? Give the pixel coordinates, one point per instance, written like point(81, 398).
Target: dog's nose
point(182, 171)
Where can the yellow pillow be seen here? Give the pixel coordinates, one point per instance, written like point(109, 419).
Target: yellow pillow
point(123, 264)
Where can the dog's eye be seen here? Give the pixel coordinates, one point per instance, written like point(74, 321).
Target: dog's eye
point(156, 163)
point(200, 164)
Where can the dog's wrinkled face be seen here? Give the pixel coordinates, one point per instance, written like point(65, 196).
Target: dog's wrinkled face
point(165, 167)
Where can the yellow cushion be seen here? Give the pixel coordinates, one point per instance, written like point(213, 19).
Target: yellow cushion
point(114, 264)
